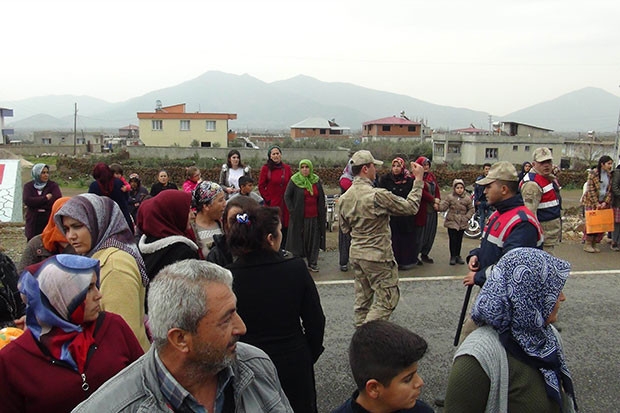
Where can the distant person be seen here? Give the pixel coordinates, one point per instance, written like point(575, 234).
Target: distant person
point(459, 210)
point(137, 194)
point(192, 178)
point(272, 182)
point(106, 184)
point(39, 195)
point(305, 200)
point(480, 199)
point(430, 227)
point(344, 240)
point(232, 171)
point(384, 359)
point(525, 169)
point(364, 213)
point(400, 182)
point(163, 183)
point(515, 360)
point(246, 188)
point(117, 170)
point(71, 346)
point(598, 196)
point(196, 363)
point(541, 195)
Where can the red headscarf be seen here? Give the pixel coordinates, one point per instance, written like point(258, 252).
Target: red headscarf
point(165, 214)
point(104, 177)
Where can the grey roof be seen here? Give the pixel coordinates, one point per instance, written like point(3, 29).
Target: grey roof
point(317, 123)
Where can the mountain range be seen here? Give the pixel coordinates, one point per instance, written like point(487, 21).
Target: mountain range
point(277, 105)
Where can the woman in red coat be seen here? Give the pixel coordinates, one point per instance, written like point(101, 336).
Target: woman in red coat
point(71, 347)
point(272, 183)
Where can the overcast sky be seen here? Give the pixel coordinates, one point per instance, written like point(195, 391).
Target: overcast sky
point(496, 56)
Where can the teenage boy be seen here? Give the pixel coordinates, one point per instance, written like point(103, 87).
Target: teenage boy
point(384, 361)
point(246, 187)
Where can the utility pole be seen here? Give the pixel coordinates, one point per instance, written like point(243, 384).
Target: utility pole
point(491, 124)
point(75, 131)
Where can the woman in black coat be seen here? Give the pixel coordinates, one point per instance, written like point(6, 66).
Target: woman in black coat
point(278, 301)
point(39, 195)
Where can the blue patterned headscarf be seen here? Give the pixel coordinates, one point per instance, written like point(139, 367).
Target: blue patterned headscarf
point(516, 300)
point(204, 193)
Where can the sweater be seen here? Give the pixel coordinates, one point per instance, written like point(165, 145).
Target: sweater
point(34, 382)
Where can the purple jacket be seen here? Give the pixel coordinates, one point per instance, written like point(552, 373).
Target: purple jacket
point(38, 207)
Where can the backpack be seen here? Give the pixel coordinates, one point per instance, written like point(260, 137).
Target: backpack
point(11, 305)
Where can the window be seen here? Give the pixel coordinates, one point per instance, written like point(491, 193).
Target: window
point(490, 153)
point(322, 132)
point(205, 144)
point(527, 148)
point(81, 141)
point(515, 148)
point(62, 139)
point(157, 124)
point(385, 128)
point(439, 149)
point(454, 148)
point(185, 125)
point(211, 125)
point(46, 141)
point(411, 128)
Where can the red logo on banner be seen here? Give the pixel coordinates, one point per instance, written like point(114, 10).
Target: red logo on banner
point(1, 172)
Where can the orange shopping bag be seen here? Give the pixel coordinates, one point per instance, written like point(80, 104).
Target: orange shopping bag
point(599, 220)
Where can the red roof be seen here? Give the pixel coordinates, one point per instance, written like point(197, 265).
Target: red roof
point(392, 120)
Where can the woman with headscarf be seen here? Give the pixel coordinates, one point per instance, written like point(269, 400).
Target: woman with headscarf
point(525, 169)
point(515, 360)
point(50, 242)
point(430, 226)
point(460, 209)
point(278, 301)
point(163, 221)
point(39, 195)
point(96, 228)
point(231, 171)
point(400, 182)
point(106, 184)
point(137, 194)
point(209, 201)
point(71, 346)
point(272, 183)
point(305, 200)
point(598, 196)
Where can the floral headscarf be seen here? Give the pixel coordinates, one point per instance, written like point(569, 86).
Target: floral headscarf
point(404, 174)
point(36, 175)
point(516, 300)
point(55, 294)
point(51, 235)
point(305, 182)
point(204, 193)
point(106, 224)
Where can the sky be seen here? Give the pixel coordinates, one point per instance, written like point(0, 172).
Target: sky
point(494, 56)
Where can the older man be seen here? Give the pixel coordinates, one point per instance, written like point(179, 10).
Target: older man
point(195, 363)
point(541, 195)
point(365, 214)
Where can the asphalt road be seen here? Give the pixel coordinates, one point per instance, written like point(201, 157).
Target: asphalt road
point(430, 306)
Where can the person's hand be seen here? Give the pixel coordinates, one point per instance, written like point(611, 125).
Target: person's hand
point(473, 263)
point(417, 170)
point(469, 279)
point(48, 196)
point(21, 323)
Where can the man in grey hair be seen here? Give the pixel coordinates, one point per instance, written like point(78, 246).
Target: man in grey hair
point(196, 361)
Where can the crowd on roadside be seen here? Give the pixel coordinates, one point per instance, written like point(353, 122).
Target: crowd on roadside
point(121, 259)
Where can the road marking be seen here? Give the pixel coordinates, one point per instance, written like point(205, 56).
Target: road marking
point(460, 277)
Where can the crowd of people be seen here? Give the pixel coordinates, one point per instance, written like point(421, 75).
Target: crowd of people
point(208, 290)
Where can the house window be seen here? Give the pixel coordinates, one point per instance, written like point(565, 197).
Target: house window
point(205, 144)
point(385, 128)
point(515, 148)
point(439, 149)
point(322, 132)
point(157, 124)
point(490, 153)
point(211, 125)
point(411, 128)
point(454, 148)
point(185, 125)
point(62, 139)
point(46, 141)
point(527, 148)
point(81, 141)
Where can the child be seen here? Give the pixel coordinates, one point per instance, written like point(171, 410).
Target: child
point(460, 209)
point(117, 170)
point(246, 185)
point(192, 178)
point(384, 362)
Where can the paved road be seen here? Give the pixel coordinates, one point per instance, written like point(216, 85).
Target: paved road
point(430, 307)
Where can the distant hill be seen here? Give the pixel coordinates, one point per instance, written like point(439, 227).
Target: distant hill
point(278, 105)
point(582, 110)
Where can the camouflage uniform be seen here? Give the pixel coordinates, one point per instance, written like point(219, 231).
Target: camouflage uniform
point(365, 214)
